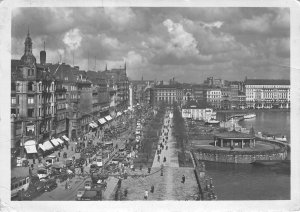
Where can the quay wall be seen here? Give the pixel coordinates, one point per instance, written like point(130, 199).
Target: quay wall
point(232, 156)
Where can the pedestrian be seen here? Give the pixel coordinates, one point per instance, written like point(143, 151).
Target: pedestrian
point(86, 163)
point(165, 159)
point(81, 169)
point(146, 194)
point(30, 171)
point(34, 160)
point(183, 179)
point(152, 189)
point(166, 147)
point(158, 158)
point(59, 154)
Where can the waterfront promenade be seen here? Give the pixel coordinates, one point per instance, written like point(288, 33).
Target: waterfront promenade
point(167, 186)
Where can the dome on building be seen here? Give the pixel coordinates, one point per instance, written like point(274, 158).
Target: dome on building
point(28, 59)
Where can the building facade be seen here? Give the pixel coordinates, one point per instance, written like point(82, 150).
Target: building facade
point(33, 102)
point(168, 94)
point(213, 97)
point(262, 93)
point(198, 111)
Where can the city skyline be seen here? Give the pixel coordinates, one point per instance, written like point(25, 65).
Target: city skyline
point(189, 44)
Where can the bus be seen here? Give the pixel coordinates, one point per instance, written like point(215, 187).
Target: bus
point(19, 184)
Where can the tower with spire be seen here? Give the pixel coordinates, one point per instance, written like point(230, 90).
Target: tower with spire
point(28, 59)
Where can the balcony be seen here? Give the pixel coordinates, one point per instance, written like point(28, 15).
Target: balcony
point(60, 90)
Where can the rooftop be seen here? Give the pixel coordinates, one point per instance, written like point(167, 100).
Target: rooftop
point(267, 82)
point(234, 134)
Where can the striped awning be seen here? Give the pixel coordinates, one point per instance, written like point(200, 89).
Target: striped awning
point(102, 121)
point(42, 147)
point(66, 138)
point(48, 145)
point(54, 142)
point(92, 125)
point(108, 118)
point(30, 149)
point(60, 141)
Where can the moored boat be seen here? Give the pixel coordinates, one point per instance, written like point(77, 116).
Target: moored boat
point(267, 162)
point(249, 116)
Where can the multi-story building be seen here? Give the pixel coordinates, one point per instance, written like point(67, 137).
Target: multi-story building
point(118, 87)
point(188, 94)
point(199, 92)
point(32, 101)
point(198, 111)
point(168, 94)
point(213, 97)
point(263, 93)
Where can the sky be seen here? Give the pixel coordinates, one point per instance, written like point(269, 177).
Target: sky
point(189, 44)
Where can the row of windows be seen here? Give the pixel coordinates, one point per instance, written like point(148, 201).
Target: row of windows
point(267, 86)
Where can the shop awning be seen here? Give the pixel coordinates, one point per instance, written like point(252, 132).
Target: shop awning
point(93, 125)
point(42, 147)
point(60, 141)
point(119, 113)
point(48, 145)
point(66, 138)
point(54, 142)
point(29, 143)
point(102, 121)
point(108, 118)
point(30, 149)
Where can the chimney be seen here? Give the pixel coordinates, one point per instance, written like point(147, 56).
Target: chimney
point(43, 56)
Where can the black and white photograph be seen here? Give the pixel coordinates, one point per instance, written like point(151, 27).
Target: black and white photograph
point(137, 104)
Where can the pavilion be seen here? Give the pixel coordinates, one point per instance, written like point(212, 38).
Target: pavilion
point(234, 139)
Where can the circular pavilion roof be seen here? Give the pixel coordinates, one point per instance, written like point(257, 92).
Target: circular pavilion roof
point(234, 135)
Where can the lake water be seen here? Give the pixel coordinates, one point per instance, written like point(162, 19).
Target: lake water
point(250, 182)
point(273, 122)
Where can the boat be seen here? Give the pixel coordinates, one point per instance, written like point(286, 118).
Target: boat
point(268, 162)
point(249, 116)
point(212, 121)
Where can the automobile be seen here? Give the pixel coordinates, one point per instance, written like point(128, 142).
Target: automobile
point(88, 185)
point(80, 193)
point(50, 185)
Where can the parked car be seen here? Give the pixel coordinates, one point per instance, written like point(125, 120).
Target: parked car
point(50, 185)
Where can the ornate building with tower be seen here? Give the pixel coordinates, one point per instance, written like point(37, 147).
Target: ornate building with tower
point(32, 101)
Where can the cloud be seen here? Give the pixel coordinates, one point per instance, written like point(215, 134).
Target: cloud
point(182, 43)
point(73, 39)
point(160, 42)
point(122, 17)
point(256, 24)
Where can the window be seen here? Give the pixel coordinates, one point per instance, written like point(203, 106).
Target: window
point(30, 86)
point(13, 86)
point(18, 87)
point(13, 100)
point(13, 111)
point(30, 112)
point(30, 100)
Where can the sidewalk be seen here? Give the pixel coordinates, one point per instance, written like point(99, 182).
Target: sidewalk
point(24, 171)
point(170, 154)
